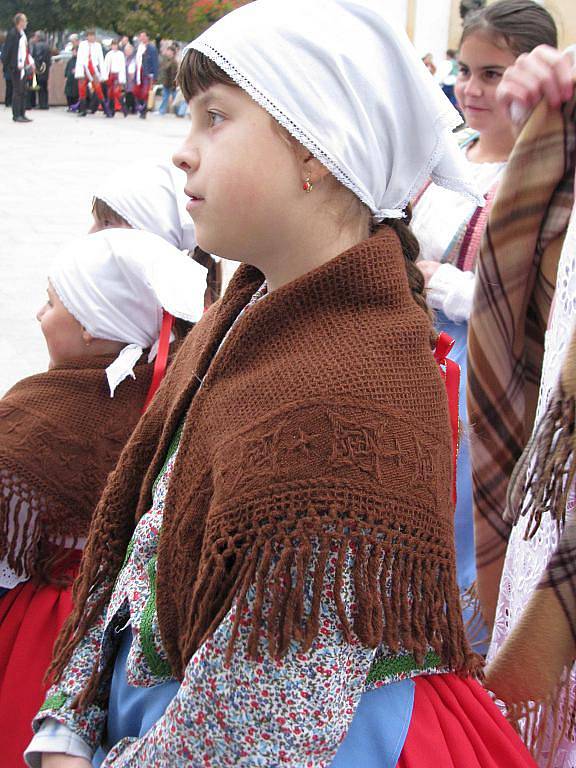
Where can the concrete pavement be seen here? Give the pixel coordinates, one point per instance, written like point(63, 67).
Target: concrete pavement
point(48, 172)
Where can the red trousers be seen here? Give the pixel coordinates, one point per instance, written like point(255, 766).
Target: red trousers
point(142, 90)
point(83, 86)
point(114, 91)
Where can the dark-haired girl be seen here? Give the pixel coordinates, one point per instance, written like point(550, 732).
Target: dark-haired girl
point(449, 229)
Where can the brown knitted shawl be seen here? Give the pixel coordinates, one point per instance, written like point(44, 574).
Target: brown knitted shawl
point(323, 420)
point(60, 435)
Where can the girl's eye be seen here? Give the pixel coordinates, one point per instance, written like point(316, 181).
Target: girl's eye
point(492, 75)
point(215, 118)
point(463, 71)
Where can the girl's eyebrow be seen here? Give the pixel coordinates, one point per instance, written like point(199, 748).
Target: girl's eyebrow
point(485, 67)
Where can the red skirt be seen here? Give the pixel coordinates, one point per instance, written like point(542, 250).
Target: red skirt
point(31, 616)
point(455, 724)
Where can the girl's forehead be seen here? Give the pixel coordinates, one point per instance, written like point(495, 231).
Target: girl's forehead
point(480, 51)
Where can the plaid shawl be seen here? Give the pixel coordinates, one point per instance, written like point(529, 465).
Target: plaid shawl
point(543, 703)
point(515, 285)
point(543, 483)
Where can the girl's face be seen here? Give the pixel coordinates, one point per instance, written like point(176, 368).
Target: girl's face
point(482, 65)
point(244, 180)
point(63, 333)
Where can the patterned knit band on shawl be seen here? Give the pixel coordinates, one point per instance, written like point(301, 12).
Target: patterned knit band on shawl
point(306, 432)
point(60, 435)
point(516, 279)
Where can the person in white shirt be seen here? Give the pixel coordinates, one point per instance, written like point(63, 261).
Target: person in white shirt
point(89, 70)
point(115, 77)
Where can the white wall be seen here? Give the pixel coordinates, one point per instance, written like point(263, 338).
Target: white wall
point(432, 27)
point(398, 10)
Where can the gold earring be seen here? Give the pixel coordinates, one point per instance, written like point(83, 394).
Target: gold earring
point(308, 186)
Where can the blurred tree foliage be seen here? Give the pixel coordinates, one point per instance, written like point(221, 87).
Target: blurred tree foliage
point(165, 18)
point(203, 13)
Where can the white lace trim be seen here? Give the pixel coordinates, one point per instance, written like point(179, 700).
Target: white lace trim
point(266, 103)
point(444, 125)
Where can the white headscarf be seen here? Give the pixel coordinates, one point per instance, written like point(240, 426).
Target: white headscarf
point(349, 85)
point(117, 282)
point(152, 198)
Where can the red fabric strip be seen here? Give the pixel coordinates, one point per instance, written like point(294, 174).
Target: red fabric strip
point(161, 361)
point(451, 374)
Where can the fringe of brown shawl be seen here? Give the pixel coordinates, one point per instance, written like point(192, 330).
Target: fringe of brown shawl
point(24, 540)
point(401, 601)
point(398, 600)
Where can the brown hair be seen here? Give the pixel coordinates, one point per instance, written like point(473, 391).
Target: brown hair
point(213, 278)
point(103, 211)
point(197, 73)
point(521, 25)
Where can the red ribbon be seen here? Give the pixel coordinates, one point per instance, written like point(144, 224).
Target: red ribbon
point(450, 372)
point(161, 361)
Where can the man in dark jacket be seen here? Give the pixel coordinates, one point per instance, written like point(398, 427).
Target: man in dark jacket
point(146, 71)
point(43, 60)
point(16, 57)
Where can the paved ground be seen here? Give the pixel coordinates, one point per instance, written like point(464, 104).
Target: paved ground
point(48, 169)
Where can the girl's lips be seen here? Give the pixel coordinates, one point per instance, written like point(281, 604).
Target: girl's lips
point(193, 203)
point(475, 109)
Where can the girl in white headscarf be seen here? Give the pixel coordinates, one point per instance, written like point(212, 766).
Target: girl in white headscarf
point(151, 197)
point(288, 580)
point(61, 432)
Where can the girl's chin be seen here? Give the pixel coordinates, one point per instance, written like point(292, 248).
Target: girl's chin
point(476, 119)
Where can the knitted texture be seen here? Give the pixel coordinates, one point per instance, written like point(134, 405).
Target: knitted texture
point(60, 435)
point(323, 419)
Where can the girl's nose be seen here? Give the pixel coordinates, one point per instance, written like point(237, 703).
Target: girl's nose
point(187, 158)
point(473, 87)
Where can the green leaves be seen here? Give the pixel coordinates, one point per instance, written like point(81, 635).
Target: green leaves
point(175, 19)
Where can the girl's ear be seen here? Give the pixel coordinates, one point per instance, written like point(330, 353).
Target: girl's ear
point(312, 169)
point(87, 338)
